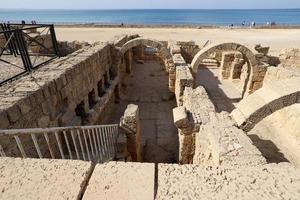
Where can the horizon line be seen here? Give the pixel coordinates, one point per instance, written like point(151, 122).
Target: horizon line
point(149, 8)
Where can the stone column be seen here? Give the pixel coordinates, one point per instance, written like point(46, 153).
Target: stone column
point(184, 78)
point(237, 65)
point(141, 52)
point(186, 135)
point(172, 78)
point(130, 123)
point(128, 61)
point(226, 64)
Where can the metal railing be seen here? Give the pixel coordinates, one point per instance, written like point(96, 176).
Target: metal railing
point(24, 47)
point(89, 143)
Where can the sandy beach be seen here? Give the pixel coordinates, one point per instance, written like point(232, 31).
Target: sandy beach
point(277, 39)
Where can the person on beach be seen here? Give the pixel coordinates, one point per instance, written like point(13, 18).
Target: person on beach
point(243, 24)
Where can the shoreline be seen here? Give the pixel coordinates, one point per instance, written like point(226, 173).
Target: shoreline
point(93, 25)
point(186, 26)
point(277, 39)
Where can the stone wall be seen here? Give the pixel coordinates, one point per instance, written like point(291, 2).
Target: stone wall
point(205, 136)
point(188, 50)
point(72, 90)
point(66, 47)
point(290, 58)
point(130, 123)
point(194, 112)
point(210, 138)
point(75, 90)
point(184, 77)
point(270, 181)
point(219, 142)
point(43, 179)
point(279, 73)
point(78, 89)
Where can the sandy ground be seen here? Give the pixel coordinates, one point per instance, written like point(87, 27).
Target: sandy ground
point(276, 38)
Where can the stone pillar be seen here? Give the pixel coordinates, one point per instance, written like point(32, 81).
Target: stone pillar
point(225, 68)
point(184, 78)
point(172, 78)
point(186, 135)
point(128, 61)
point(130, 123)
point(141, 52)
point(2, 41)
point(237, 65)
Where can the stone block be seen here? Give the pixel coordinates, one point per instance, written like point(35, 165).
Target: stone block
point(4, 122)
point(186, 148)
point(25, 106)
point(13, 113)
point(42, 178)
point(180, 117)
point(117, 180)
point(38, 96)
point(246, 182)
point(44, 122)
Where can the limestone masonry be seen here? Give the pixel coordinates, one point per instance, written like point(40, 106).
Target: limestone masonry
point(137, 118)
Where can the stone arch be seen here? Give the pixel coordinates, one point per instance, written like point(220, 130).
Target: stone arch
point(162, 50)
point(230, 46)
point(165, 53)
point(265, 101)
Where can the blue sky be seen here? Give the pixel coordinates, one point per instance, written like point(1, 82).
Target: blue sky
point(150, 4)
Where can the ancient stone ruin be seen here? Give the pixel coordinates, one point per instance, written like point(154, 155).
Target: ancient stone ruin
point(137, 118)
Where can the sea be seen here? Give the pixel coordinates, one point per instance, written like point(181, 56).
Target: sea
point(211, 17)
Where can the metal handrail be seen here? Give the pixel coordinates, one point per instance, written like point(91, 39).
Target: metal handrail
point(89, 143)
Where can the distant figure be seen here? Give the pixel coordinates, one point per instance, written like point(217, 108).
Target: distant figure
point(253, 24)
point(244, 23)
point(23, 22)
point(268, 23)
point(231, 25)
point(122, 24)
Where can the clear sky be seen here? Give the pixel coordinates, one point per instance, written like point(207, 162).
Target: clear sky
point(149, 4)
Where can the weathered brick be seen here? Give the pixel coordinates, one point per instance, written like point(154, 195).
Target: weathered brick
point(44, 122)
point(25, 105)
point(39, 96)
point(4, 122)
point(14, 113)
